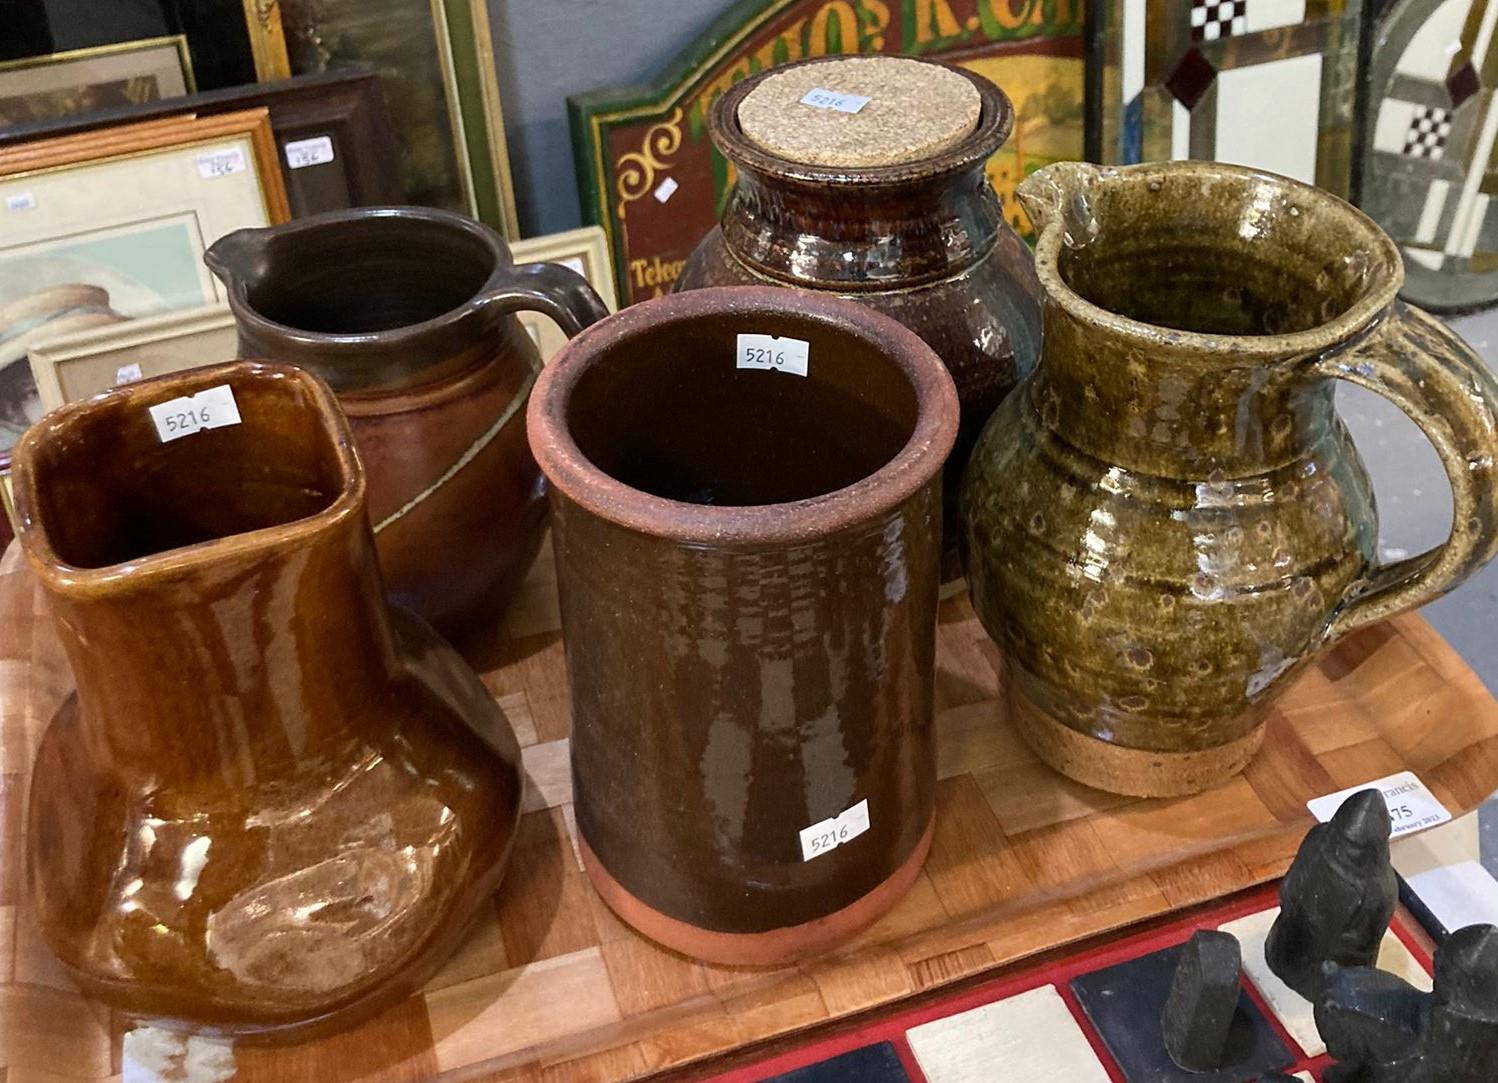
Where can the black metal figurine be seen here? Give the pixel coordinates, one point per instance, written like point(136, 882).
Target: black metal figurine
point(1338, 897)
point(1203, 1000)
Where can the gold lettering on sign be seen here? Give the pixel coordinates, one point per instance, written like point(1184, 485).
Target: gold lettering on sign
point(933, 20)
point(637, 169)
point(878, 16)
point(654, 273)
point(823, 23)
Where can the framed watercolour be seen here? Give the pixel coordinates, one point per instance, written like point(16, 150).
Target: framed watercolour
point(1264, 83)
point(437, 60)
point(84, 363)
point(332, 131)
point(1432, 122)
point(100, 228)
point(585, 251)
point(231, 41)
point(40, 88)
point(648, 172)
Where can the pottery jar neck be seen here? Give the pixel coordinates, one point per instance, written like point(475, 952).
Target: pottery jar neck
point(218, 599)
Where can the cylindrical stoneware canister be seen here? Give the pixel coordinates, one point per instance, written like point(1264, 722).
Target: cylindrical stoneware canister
point(745, 489)
point(408, 314)
point(884, 197)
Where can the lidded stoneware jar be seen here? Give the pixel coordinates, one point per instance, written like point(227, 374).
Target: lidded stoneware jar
point(747, 557)
point(881, 197)
point(1167, 521)
point(274, 802)
point(408, 314)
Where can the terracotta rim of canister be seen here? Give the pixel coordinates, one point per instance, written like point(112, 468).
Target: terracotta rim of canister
point(1042, 194)
point(995, 122)
point(876, 494)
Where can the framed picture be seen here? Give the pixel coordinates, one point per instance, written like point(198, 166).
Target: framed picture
point(1429, 137)
point(84, 363)
point(584, 250)
point(647, 171)
point(61, 84)
point(437, 60)
point(100, 228)
point(1264, 83)
point(333, 133)
point(231, 42)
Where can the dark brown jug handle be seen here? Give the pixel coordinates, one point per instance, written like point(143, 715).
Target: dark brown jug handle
point(1424, 368)
point(548, 288)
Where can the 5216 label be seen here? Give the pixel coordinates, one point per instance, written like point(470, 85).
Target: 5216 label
point(821, 98)
point(773, 354)
point(827, 835)
point(211, 409)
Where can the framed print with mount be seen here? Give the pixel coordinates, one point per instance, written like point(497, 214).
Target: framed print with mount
point(39, 88)
point(84, 363)
point(437, 61)
point(100, 228)
point(332, 130)
point(585, 251)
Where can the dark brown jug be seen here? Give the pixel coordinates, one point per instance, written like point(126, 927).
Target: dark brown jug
point(1167, 521)
point(406, 312)
point(274, 802)
point(924, 242)
point(748, 571)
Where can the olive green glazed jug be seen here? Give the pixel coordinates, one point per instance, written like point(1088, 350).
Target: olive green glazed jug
point(1167, 520)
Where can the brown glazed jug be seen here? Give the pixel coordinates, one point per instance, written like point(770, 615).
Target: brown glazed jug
point(1168, 521)
point(747, 560)
point(407, 313)
point(923, 240)
point(273, 803)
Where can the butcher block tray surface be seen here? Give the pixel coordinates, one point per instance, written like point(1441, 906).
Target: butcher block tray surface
point(551, 986)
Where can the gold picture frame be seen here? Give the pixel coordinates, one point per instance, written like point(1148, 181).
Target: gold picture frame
point(39, 88)
point(86, 363)
point(585, 251)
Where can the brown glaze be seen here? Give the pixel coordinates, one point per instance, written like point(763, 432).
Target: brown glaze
point(1167, 521)
point(747, 563)
point(273, 803)
point(408, 314)
point(925, 243)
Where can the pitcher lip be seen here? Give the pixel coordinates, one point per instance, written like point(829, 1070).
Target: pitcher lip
point(1348, 324)
point(247, 315)
point(61, 575)
point(995, 121)
point(879, 492)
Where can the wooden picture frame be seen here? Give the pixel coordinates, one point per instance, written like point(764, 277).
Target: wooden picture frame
point(357, 168)
point(585, 251)
point(102, 227)
point(41, 88)
point(437, 59)
point(87, 363)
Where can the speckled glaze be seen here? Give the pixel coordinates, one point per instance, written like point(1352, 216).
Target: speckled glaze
point(925, 243)
point(748, 571)
point(407, 313)
point(1167, 520)
point(273, 803)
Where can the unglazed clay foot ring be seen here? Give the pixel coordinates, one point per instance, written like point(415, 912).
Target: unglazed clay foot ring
point(1136, 772)
point(770, 948)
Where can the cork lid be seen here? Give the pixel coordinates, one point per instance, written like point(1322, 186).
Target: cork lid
point(864, 111)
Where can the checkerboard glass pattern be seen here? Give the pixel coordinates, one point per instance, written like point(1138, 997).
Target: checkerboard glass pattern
point(1430, 147)
point(1263, 83)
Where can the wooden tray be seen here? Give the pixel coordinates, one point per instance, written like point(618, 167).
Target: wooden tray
point(551, 987)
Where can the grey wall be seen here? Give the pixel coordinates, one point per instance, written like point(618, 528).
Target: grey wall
point(548, 49)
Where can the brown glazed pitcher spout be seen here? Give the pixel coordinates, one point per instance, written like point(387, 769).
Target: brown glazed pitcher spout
point(1167, 521)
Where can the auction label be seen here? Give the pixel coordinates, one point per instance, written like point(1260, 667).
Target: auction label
point(831, 99)
point(221, 163)
point(773, 354)
point(211, 409)
point(1412, 806)
point(829, 834)
point(301, 153)
point(20, 201)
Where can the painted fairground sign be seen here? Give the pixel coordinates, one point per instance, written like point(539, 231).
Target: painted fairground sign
point(650, 176)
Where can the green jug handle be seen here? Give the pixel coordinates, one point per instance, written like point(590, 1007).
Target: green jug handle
point(1423, 367)
point(548, 288)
